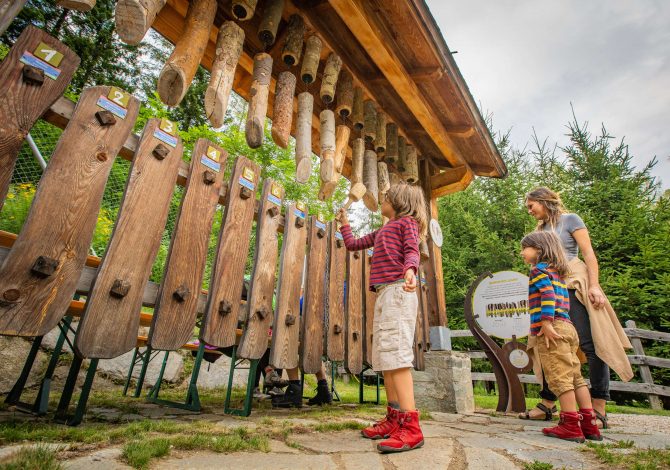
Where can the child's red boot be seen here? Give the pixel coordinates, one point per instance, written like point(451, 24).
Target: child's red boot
point(589, 424)
point(408, 436)
point(384, 428)
point(568, 428)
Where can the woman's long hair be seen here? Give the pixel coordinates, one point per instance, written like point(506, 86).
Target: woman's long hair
point(552, 204)
point(550, 250)
point(408, 200)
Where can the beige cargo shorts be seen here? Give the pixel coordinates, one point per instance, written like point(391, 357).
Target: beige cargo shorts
point(393, 328)
point(560, 365)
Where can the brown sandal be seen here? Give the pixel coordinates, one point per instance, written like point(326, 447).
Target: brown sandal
point(602, 418)
point(548, 413)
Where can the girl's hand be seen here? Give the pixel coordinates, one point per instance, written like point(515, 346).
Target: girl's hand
point(342, 216)
point(549, 333)
point(410, 281)
point(597, 296)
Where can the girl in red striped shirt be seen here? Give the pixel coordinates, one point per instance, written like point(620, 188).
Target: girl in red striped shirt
point(393, 275)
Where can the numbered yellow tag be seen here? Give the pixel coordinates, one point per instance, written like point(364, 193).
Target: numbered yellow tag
point(168, 126)
point(319, 217)
point(248, 174)
point(300, 206)
point(48, 54)
point(214, 154)
point(276, 190)
point(118, 96)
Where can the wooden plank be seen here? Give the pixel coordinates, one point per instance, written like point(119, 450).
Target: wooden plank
point(645, 372)
point(109, 325)
point(24, 97)
point(446, 177)
point(175, 312)
point(649, 361)
point(647, 334)
point(286, 326)
point(313, 307)
point(336, 278)
point(370, 299)
point(353, 356)
point(264, 274)
point(220, 321)
point(61, 221)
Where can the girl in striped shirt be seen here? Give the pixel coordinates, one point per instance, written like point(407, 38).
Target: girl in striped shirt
point(393, 275)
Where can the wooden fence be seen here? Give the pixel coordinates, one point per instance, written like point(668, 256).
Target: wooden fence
point(639, 358)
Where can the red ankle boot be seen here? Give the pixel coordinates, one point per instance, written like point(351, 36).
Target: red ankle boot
point(589, 424)
point(408, 436)
point(384, 428)
point(568, 428)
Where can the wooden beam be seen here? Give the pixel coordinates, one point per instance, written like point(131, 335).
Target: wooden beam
point(465, 130)
point(426, 74)
point(447, 177)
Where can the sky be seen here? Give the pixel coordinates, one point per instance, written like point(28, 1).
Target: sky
point(526, 61)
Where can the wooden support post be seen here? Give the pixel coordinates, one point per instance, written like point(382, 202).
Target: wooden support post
point(282, 116)
point(391, 156)
point(292, 50)
point(336, 278)
point(402, 154)
point(258, 104)
point(79, 5)
point(645, 373)
point(243, 10)
point(179, 70)
point(303, 137)
point(8, 11)
point(177, 302)
point(380, 137)
point(229, 43)
point(310, 64)
point(357, 111)
point(353, 360)
point(26, 92)
point(342, 133)
point(108, 327)
point(345, 93)
point(411, 165)
point(267, 31)
point(62, 219)
point(437, 310)
point(327, 141)
point(329, 80)
point(133, 18)
point(370, 121)
point(370, 180)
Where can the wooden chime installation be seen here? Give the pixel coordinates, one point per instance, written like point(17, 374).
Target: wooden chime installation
point(303, 137)
point(370, 180)
point(80, 5)
point(133, 18)
point(267, 31)
point(258, 103)
point(294, 38)
point(282, 116)
point(243, 10)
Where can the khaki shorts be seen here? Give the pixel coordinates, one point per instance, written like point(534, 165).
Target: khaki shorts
point(393, 328)
point(560, 365)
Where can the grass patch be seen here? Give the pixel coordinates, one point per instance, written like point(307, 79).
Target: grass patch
point(338, 426)
point(636, 459)
point(138, 454)
point(537, 465)
point(32, 458)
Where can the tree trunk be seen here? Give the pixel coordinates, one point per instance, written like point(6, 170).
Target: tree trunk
point(267, 31)
point(180, 68)
point(380, 138)
point(282, 116)
point(370, 123)
point(370, 180)
point(327, 140)
point(357, 114)
point(258, 104)
point(229, 43)
point(243, 10)
point(79, 5)
point(303, 137)
point(391, 143)
point(311, 63)
point(411, 165)
point(134, 18)
point(294, 39)
point(329, 81)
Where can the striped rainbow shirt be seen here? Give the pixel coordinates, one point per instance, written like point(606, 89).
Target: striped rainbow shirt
point(396, 249)
point(547, 297)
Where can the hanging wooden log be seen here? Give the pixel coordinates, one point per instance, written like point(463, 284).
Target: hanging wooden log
point(258, 103)
point(345, 93)
point(370, 121)
point(391, 156)
point(243, 10)
point(380, 137)
point(337, 267)
point(370, 180)
point(267, 31)
point(395, 178)
point(254, 341)
point(292, 50)
point(133, 18)
point(282, 116)
point(79, 5)
point(341, 145)
point(357, 111)
point(411, 165)
point(26, 92)
point(303, 138)
point(39, 275)
point(8, 11)
point(108, 327)
point(286, 325)
point(229, 43)
point(357, 189)
point(329, 81)
point(383, 180)
point(353, 360)
point(310, 64)
point(402, 154)
point(179, 70)
point(327, 141)
point(177, 301)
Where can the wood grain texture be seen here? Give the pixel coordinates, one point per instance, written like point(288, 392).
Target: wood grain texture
point(225, 291)
point(286, 325)
point(282, 116)
point(62, 219)
point(133, 18)
point(258, 104)
point(175, 313)
point(370, 300)
point(313, 307)
point(353, 360)
point(8, 11)
point(336, 277)
point(109, 325)
point(254, 340)
point(22, 103)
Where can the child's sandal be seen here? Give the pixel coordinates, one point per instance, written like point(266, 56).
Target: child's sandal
point(603, 419)
point(548, 413)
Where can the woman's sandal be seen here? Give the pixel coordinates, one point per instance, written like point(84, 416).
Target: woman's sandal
point(548, 413)
point(603, 419)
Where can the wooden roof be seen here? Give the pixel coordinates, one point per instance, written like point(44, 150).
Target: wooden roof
point(397, 54)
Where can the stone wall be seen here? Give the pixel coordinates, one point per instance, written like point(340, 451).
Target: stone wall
point(446, 384)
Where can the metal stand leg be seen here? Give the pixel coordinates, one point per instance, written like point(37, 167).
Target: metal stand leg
point(333, 372)
point(14, 396)
point(234, 365)
point(192, 401)
point(62, 415)
point(361, 386)
point(130, 371)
